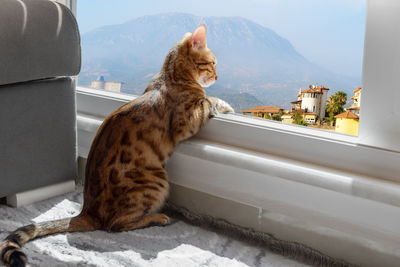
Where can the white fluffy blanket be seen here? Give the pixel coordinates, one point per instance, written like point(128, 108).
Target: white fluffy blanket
point(178, 244)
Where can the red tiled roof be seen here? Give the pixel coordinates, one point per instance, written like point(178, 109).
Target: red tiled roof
point(347, 115)
point(311, 91)
point(316, 89)
point(264, 109)
point(301, 111)
point(353, 108)
point(323, 87)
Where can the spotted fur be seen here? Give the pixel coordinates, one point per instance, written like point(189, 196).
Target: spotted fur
point(126, 183)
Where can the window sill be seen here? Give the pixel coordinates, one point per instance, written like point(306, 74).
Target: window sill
point(313, 146)
point(307, 177)
point(258, 163)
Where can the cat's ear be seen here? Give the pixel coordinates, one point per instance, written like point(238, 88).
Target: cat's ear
point(199, 38)
point(186, 35)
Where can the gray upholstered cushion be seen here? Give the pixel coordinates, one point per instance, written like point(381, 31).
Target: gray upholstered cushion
point(38, 39)
point(37, 134)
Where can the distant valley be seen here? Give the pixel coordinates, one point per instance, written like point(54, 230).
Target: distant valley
point(255, 67)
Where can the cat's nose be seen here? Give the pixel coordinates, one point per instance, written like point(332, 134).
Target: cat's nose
point(216, 77)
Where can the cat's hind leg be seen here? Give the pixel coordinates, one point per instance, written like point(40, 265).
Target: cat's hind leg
point(128, 222)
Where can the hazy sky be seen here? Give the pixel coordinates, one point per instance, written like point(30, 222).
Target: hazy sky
point(329, 33)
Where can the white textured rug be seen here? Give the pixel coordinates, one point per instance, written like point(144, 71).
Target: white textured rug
point(178, 244)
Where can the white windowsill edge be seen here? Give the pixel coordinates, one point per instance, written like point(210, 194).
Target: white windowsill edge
point(319, 176)
point(121, 98)
point(316, 200)
point(318, 147)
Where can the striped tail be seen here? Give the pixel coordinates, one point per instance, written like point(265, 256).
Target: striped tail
point(10, 251)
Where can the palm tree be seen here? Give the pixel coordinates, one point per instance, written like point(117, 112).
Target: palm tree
point(341, 97)
point(277, 117)
point(335, 105)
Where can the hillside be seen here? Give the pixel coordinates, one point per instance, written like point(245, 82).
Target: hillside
point(252, 59)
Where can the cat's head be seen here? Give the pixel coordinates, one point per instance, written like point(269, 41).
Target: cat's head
point(196, 58)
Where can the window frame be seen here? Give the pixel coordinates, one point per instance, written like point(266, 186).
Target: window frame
point(311, 180)
point(381, 92)
point(373, 153)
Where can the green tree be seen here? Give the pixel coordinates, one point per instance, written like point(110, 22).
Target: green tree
point(277, 117)
point(298, 119)
point(335, 105)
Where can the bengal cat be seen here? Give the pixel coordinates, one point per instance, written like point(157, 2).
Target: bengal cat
point(126, 183)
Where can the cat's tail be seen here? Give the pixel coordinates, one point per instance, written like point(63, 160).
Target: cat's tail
point(10, 250)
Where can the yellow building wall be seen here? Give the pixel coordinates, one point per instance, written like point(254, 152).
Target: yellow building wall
point(311, 117)
point(287, 119)
point(261, 115)
point(347, 126)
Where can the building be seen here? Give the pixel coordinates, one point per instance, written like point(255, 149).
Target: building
point(355, 107)
point(311, 103)
point(310, 117)
point(100, 83)
point(263, 112)
point(313, 100)
point(347, 122)
point(287, 118)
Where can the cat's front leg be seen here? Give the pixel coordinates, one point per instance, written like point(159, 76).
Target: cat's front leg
point(219, 106)
point(197, 115)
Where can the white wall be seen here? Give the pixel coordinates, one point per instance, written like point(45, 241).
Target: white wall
point(309, 103)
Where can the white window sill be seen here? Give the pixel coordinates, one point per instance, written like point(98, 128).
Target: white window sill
point(320, 159)
point(322, 148)
point(294, 194)
point(354, 184)
point(280, 169)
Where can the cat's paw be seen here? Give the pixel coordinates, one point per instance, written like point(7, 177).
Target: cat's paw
point(223, 107)
point(164, 219)
point(158, 220)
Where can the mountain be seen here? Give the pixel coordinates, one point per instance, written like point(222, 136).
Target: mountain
point(256, 66)
point(239, 101)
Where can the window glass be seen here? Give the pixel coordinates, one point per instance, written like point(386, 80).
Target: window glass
point(290, 61)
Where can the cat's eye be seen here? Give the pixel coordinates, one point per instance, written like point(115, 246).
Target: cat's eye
point(206, 63)
point(202, 63)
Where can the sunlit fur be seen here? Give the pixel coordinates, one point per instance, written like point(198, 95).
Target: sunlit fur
point(126, 183)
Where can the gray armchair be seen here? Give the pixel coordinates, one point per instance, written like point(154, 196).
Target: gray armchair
point(39, 51)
